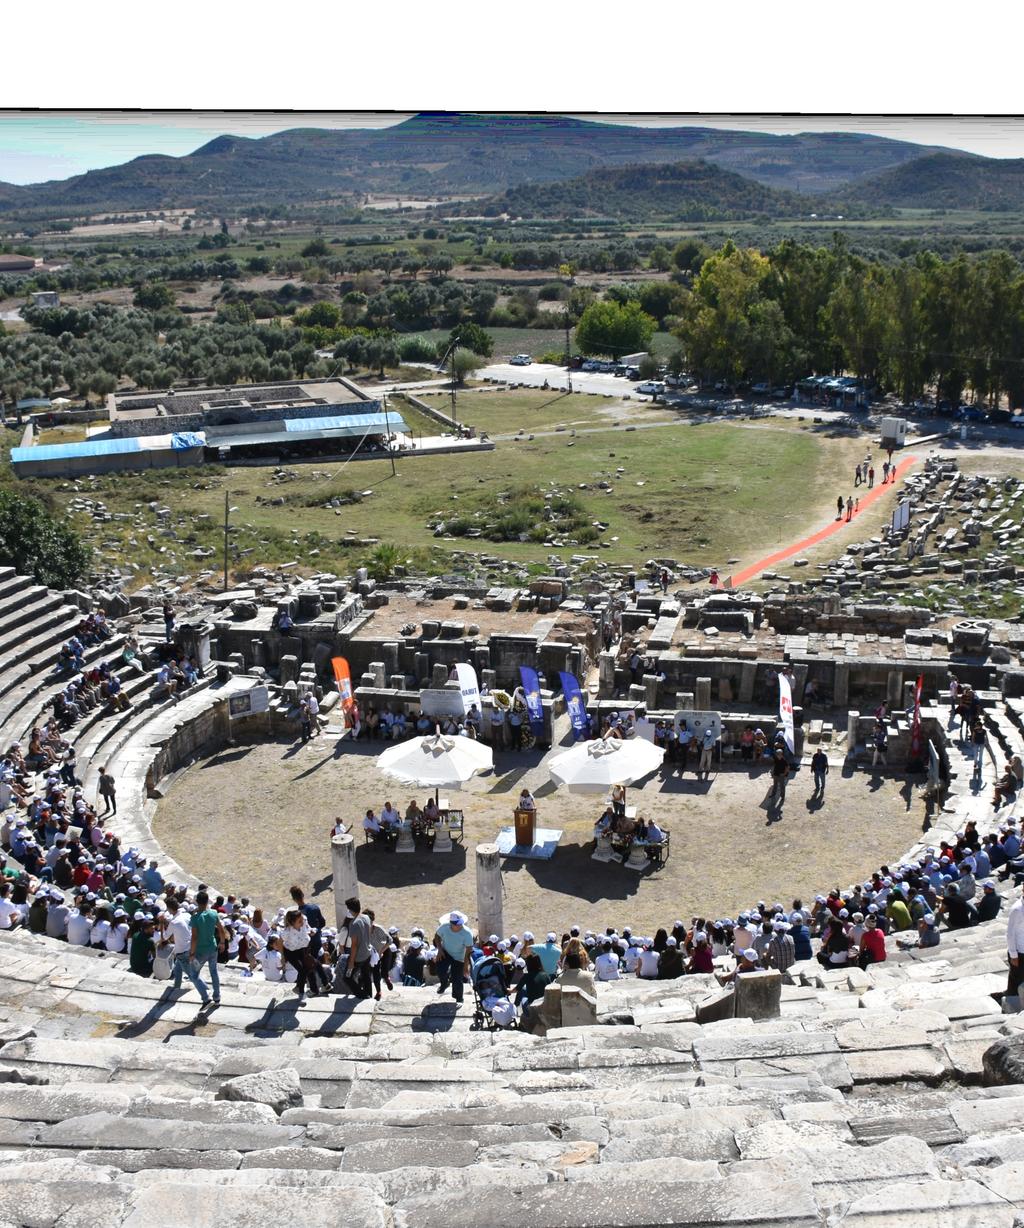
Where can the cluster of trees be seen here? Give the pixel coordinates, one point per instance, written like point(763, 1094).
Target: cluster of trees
point(37, 541)
point(89, 351)
point(924, 323)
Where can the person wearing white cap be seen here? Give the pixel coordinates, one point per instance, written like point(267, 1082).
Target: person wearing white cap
point(781, 950)
point(928, 931)
point(454, 942)
point(606, 966)
point(549, 953)
point(990, 903)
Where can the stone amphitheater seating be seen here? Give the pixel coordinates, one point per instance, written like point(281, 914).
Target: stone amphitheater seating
point(861, 1106)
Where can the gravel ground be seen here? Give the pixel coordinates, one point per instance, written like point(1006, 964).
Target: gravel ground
point(255, 819)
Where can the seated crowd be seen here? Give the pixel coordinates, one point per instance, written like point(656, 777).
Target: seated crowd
point(73, 881)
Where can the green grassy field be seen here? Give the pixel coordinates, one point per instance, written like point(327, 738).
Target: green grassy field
point(501, 412)
point(702, 493)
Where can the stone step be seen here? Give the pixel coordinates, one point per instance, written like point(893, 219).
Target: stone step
point(12, 584)
point(605, 1204)
point(31, 605)
point(21, 685)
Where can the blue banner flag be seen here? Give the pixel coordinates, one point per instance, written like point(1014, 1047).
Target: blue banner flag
point(534, 707)
point(574, 704)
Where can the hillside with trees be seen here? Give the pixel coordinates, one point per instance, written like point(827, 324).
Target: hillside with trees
point(947, 181)
point(675, 192)
point(442, 154)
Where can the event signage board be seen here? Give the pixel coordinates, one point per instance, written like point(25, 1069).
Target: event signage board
point(574, 703)
point(534, 706)
point(469, 688)
point(786, 712)
point(697, 722)
point(249, 703)
point(441, 703)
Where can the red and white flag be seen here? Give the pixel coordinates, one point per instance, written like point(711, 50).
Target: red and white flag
point(786, 712)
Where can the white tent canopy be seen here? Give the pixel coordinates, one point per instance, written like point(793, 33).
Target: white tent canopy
point(593, 767)
point(436, 761)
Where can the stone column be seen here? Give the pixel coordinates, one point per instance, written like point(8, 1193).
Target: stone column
point(439, 676)
point(852, 721)
point(606, 675)
point(909, 689)
point(390, 652)
point(703, 695)
point(346, 880)
point(748, 677)
point(841, 686)
point(894, 687)
point(651, 691)
point(489, 917)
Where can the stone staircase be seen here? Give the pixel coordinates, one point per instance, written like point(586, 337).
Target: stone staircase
point(860, 1107)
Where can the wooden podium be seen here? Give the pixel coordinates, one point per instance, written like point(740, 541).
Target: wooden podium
point(526, 826)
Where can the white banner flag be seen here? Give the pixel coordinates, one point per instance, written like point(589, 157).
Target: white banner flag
point(469, 686)
point(786, 711)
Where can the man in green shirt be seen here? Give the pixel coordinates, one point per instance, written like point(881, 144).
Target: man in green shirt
point(142, 950)
point(898, 913)
point(208, 935)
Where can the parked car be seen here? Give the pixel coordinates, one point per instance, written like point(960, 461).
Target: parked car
point(970, 413)
point(520, 360)
point(1017, 422)
point(782, 394)
point(761, 389)
point(632, 373)
point(589, 365)
point(650, 388)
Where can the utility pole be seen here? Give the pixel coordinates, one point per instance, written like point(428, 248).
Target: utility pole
point(227, 514)
point(387, 428)
point(566, 271)
point(455, 345)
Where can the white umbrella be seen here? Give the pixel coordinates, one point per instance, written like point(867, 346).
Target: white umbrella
point(436, 760)
point(593, 767)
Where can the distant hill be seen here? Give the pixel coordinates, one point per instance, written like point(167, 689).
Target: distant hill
point(443, 154)
point(946, 181)
point(676, 192)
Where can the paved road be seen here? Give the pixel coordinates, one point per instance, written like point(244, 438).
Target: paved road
point(535, 375)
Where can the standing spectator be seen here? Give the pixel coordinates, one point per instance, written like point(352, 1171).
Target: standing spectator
point(179, 931)
point(357, 967)
point(707, 750)
point(454, 943)
point(208, 937)
point(1015, 947)
point(954, 692)
point(108, 791)
point(497, 727)
point(819, 770)
point(978, 746)
point(881, 745)
point(871, 476)
point(780, 776)
point(168, 621)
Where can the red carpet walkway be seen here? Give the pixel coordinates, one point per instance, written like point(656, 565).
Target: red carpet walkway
point(866, 500)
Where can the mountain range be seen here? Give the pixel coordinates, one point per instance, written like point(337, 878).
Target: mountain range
point(435, 154)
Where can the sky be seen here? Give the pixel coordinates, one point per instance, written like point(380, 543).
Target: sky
point(36, 146)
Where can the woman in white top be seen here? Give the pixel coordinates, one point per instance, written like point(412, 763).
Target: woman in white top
point(271, 960)
point(295, 937)
point(117, 935)
point(526, 801)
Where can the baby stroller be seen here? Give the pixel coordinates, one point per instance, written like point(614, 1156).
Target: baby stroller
point(491, 1005)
